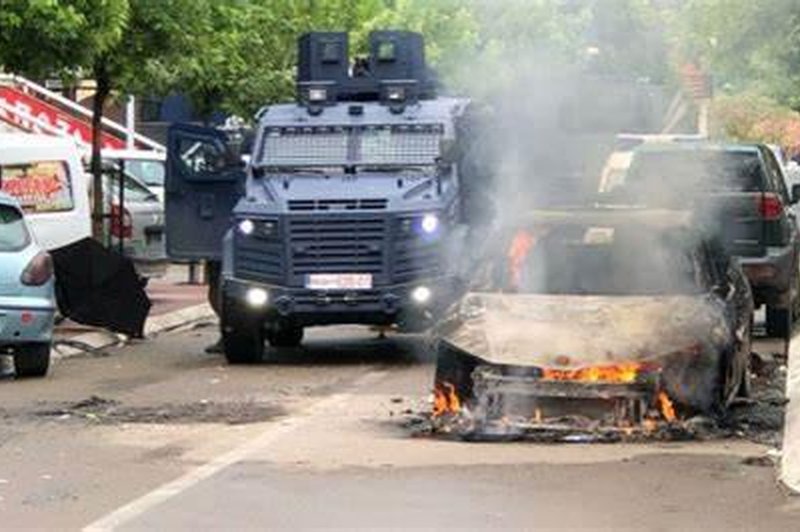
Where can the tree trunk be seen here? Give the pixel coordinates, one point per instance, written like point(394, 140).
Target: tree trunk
point(102, 91)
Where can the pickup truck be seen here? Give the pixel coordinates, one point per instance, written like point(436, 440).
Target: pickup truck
point(738, 191)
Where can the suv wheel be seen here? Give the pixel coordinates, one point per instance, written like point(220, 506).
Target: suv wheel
point(32, 360)
point(285, 336)
point(779, 322)
point(243, 341)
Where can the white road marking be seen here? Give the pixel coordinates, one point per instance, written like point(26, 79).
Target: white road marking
point(138, 507)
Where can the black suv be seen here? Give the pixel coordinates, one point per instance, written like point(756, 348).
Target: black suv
point(739, 191)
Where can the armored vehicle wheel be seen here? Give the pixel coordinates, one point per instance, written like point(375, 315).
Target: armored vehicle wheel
point(32, 360)
point(243, 342)
point(285, 336)
point(779, 322)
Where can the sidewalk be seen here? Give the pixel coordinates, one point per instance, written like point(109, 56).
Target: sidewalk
point(175, 302)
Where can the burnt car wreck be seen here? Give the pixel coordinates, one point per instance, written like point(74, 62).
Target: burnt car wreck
point(601, 324)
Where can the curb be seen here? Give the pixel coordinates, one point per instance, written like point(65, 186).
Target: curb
point(95, 341)
point(790, 457)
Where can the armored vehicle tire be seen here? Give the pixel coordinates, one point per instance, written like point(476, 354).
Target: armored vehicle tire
point(285, 336)
point(779, 322)
point(32, 360)
point(243, 343)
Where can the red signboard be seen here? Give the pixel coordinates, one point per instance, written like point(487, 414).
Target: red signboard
point(73, 126)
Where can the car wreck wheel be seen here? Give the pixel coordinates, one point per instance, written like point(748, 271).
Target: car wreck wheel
point(32, 360)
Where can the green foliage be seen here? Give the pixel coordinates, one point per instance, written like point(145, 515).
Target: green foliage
point(747, 45)
point(43, 37)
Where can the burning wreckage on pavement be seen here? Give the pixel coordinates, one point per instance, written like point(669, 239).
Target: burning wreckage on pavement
point(602, 325)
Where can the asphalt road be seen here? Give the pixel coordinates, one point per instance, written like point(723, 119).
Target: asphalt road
point(162, 436)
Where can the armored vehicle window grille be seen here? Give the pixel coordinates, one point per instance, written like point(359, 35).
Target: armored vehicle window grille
point(306, 146)
point(338, 204)
point(337, 245)
point(396, 146)
point(374, 145)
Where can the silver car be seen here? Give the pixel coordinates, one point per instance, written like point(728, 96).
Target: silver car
point(136, 228)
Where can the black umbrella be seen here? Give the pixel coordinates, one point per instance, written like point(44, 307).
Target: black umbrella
point(99, 287)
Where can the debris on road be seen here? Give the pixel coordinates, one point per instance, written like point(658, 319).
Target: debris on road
point(110, 411)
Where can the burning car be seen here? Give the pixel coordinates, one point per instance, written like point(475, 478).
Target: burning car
point(605, 322)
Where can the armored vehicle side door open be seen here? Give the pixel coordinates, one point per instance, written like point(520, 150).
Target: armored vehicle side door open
point(204, 180)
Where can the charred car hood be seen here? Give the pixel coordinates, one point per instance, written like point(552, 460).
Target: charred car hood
point(569, 331)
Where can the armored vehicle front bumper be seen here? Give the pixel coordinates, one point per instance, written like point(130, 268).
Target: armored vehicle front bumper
point(398, 304)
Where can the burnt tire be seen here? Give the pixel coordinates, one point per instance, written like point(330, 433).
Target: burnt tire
point(243, 342)
point(285, 336)
point(779, 322)
point(32, 360)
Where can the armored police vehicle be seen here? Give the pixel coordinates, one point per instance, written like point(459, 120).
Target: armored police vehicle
point(348, 210)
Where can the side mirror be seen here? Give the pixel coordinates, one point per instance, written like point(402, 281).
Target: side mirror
point(795, 193)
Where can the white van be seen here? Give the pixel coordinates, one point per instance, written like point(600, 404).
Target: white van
point(45, 175)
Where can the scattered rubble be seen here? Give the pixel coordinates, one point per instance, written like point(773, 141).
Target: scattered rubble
point(109, 411)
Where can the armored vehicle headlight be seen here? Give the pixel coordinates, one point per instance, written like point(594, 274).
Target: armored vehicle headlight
point(396, 94)
point(269, 228)
point(247, 227)
point(317, 95)
point(257, 297)
point(421, 295)
point(430, 224)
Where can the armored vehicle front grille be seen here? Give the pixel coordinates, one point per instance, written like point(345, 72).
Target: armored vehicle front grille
point(323, 244)
point(259, 259)
point(338, 204)
point(415, 257)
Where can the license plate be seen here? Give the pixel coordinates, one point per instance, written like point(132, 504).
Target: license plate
point(339, 281)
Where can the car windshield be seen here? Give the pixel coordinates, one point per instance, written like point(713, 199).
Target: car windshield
point(13, 233)
point(150, 173)
point(600, 261)
point(673, 174)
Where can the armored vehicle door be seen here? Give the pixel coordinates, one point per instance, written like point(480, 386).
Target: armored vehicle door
point(204, 180)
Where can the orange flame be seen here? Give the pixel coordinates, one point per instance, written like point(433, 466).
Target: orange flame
point(520, 247)
point(624, 373)
point(666, 406)
point(445, 400)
